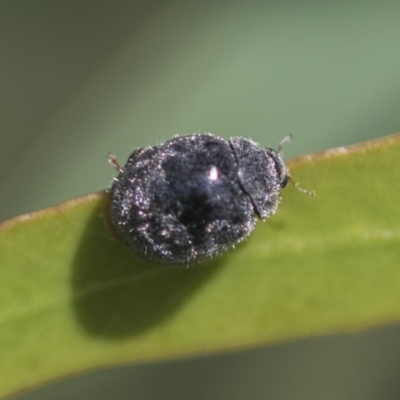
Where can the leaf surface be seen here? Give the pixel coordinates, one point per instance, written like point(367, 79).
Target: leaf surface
point(72, 298)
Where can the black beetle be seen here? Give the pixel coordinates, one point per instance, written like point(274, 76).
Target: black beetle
point(193, 197)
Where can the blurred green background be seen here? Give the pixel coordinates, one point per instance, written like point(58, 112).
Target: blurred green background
point(81, 78)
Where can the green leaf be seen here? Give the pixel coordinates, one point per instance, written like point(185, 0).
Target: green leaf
point(72, 298)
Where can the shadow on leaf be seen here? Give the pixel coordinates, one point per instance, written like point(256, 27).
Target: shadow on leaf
point(117, 295)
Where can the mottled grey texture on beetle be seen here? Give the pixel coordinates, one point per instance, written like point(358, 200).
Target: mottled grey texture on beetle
point(193, 197)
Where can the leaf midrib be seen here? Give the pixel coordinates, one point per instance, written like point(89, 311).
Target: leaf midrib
point(311, 244)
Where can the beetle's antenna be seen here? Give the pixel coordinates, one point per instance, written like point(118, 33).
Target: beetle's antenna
point(286, 139)
point(300, 189)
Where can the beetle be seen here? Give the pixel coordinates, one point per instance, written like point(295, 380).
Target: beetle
point(193, 197)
